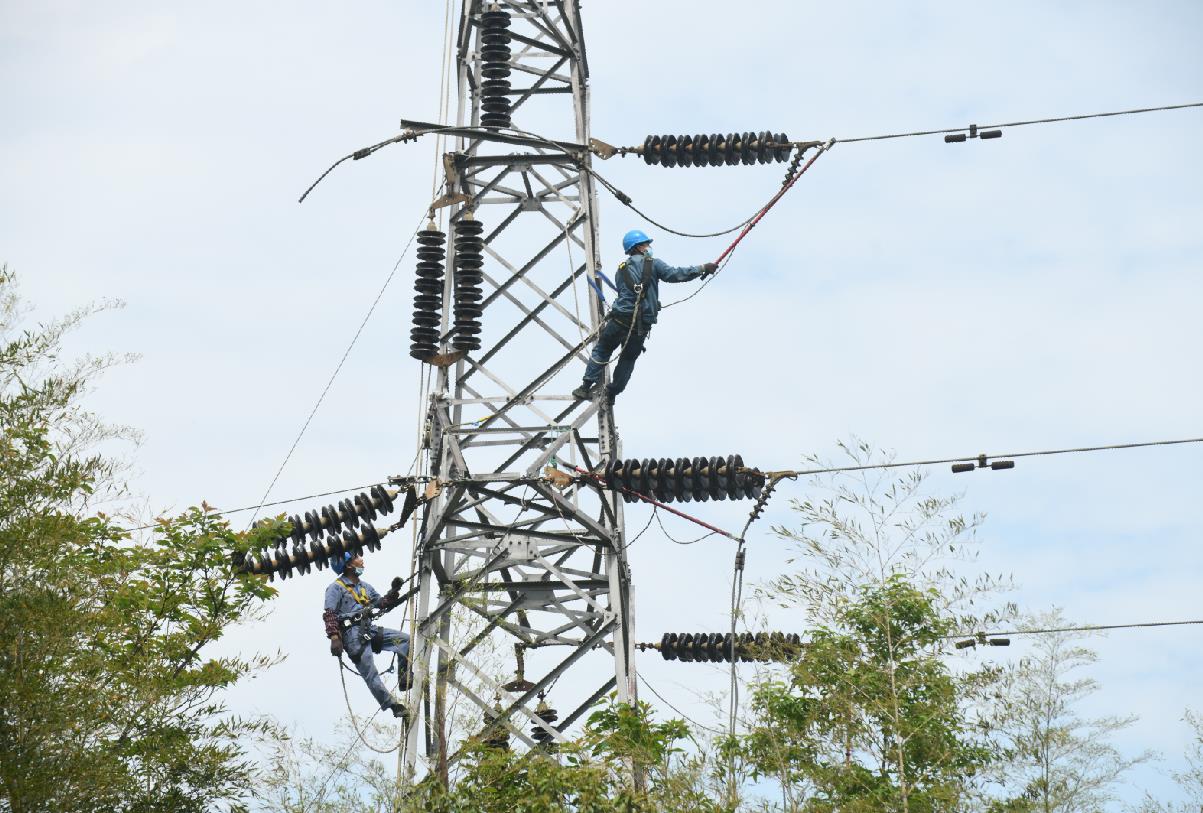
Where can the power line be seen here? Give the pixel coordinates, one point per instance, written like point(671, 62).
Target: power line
point(277, 502)
point(1052, 120)
point(981, 458)
point(338, 367)
point(1093, 628)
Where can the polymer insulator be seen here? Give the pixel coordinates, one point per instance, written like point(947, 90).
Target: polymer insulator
point(469, 249)
point(795, 163)
point(317, 553)
point(495, 68)
point(684, 479)
point(718, 647)
point(716, 150)
point(548, 715)
point(349, 513)
point(428, 293)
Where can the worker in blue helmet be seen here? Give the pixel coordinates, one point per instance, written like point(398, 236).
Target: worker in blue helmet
point(634, 312)
point(350, 630)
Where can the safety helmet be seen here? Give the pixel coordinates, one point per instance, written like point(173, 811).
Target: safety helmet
point(339, 563)
point(633, 238)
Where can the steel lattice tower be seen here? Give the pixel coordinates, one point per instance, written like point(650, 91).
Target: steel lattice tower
point(536, 566)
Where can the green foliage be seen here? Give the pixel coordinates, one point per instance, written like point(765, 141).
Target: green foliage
point(108, 703)
point(872, 716)
point(591, 774)
point(869, 717)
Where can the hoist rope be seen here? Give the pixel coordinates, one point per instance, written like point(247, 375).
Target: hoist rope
point(337, 369)
point(351, 714)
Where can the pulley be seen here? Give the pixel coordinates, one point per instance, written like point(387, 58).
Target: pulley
point(684, 479)
point(495, 68)
point(428, 293)
point(715, 150)
point(718, 647)
point(469, 249)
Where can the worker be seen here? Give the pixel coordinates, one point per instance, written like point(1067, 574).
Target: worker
point(349, 628)
point(634, 312)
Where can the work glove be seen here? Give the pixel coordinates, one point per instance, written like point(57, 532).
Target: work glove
point(393, 597)
point(709, 268)
point(336, 646)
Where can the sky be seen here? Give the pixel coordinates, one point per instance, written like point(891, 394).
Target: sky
point(1035, 291)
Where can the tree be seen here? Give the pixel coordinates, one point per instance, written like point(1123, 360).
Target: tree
point(871, 716)
point(106, 700)
point(1057, 761)
point(1190, 778)
point(587, 775)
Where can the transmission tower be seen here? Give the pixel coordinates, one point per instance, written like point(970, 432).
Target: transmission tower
point(538, 565)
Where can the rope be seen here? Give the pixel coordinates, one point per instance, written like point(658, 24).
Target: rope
point(674, 708)
point(337, 767)
point(678, 541)
point(337, 370)
point(351, 713)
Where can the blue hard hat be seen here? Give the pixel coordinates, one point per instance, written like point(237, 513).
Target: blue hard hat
point(339, 563)
point(633, 238)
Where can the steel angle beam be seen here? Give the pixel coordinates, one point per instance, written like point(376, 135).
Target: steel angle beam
point(521, 561)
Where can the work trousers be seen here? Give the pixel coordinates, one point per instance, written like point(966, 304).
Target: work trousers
point(360, 654)
point(613, 334)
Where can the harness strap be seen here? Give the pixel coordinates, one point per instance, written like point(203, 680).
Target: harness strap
point(361, 598)
point(645, 279)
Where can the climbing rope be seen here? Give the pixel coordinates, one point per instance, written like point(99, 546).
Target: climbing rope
point(351, 714)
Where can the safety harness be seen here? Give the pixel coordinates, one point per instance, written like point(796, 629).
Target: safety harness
point(368, 634)
point(639, 287)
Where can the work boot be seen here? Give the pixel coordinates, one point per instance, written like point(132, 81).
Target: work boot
point(398, 709)
point(583, 392)
point(404, 678)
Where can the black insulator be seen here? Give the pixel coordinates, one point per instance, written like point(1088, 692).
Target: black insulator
point(298, 530)
point(428, 293)
point(541, 735)
point(683, 479)
point(469, 258)
point(318, 551)
point(719, 647)
point(495, 736)
point(716, 149)
point(363, 506)
point(495, 69)
point(330, 518)
point(382, 500)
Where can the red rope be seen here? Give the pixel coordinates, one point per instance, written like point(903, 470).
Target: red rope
point(657, 503)
point(771, 204)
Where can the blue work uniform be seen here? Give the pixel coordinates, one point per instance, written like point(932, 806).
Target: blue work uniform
point(618, 325)
point(346, 599)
